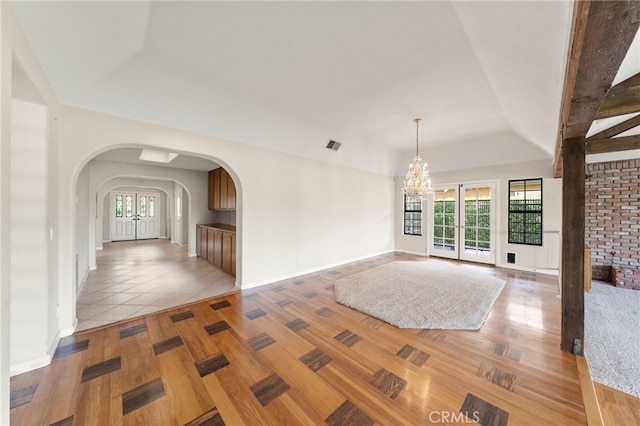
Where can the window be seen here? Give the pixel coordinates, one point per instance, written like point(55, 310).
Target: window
point(413, 214)
point(525, 212)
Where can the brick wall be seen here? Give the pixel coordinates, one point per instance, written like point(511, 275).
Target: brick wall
point(613, 221)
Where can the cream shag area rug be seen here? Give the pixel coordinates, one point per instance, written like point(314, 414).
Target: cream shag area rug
point(612, 336)
point(421, 295)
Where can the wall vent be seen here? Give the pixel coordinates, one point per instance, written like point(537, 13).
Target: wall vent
point(333, 145)
point(511, 258)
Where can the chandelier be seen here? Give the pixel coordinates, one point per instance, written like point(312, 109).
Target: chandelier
point(417, 181)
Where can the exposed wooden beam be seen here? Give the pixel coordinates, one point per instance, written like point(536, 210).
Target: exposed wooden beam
point(634, 80)
point(617, 129)
point(625, 143)
point(619, 101)
point(601, 35)
point(573, 196)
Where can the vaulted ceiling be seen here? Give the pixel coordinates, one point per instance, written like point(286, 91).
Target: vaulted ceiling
point(485, 77)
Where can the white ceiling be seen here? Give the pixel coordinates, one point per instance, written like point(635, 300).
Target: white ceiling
point(485, 77)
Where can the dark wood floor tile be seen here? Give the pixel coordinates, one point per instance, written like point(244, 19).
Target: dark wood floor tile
point(101, 368)
point(71, 348)
point(348, 338)
point(373, 322)
point(310, 294)
point(298, 282)
point(260, 341)
point(348, 414)
point(211, 363)
point(432, 335)
point(506, 351)
point(316, 359)
point(210, 418)
point(64, 422)
point(133, 330)
point(217, 327)
point(142, 395)
point(508, 331)
point(483, 412)
point(277, 289)
point(167, 345)
point(220, 305)
point(413, 355)
point(250, 296)
point(496, 376)
point(22, 396)
point(297, 324)
point(256, 313)
point(388, 383)
point(283, 303)
point(181, 316)
point(269, 388)
point(329, 287)
point(325, 312)
point(334, 272)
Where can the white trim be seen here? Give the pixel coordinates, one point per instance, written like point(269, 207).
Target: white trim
point(194, 254)
point(415, 253)
point(544, 271)
point(310, 271)
point(30, 365)
point(68, 331)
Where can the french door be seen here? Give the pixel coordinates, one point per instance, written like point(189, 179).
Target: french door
point(134, 215)
point(463, 222)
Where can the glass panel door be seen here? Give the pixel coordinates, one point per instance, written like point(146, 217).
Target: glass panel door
point(477, 205)
point(463, 222)
point(445, 223)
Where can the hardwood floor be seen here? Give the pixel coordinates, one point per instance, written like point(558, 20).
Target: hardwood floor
point(618, 408)
point(287, 353)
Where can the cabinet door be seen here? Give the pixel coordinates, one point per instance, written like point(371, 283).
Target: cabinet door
point(224, 201)
point(227, 249)
point(198, 241)
point(231, 194)
point(210, 245)
point(217, 248)
point(214, 189)
point(233, 254)
point(211, 190)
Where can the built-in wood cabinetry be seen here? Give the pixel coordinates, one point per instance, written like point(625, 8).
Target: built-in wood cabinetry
point(222, 191)
point(217, 244)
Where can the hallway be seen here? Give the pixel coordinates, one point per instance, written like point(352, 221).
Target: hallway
point(135, 278)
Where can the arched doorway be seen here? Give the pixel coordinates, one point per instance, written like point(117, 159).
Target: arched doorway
point(103, 294)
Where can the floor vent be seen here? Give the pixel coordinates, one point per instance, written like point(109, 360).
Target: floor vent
point(333, 145)
point(511, 258)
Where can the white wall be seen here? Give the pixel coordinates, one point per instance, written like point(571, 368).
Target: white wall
point(22, 350)
point(543, 258)
point(83, 221)
point(29, 242)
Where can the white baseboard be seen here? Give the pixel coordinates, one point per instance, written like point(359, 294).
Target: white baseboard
point(545, 271)
point(68, 331)
point(26, 366)
point(415, 253)
point(308, 271)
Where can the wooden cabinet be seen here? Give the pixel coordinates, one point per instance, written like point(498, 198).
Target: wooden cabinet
point(229, 253)
point(217, 244)
point(222, 191)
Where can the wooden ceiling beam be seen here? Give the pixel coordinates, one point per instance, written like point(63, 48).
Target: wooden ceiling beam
point(625, 143)
point(620, 101)
point(617, 129)
point(601, 35)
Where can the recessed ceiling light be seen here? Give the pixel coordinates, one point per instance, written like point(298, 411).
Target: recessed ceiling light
point(157, 156)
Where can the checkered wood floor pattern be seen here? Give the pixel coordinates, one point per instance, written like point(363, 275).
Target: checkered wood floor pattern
point(287, 353)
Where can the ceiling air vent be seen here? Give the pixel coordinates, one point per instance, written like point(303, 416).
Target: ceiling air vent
point(333, 145)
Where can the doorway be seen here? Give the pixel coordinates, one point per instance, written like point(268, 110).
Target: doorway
point(134, 215)
point(463, 222)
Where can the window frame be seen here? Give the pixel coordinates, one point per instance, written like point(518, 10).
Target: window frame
point(412, 217)
point(527, 213)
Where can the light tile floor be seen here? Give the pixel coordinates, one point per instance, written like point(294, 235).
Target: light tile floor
point(135, 278)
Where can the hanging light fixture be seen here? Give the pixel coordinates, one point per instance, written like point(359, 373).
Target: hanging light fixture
point(417, 181)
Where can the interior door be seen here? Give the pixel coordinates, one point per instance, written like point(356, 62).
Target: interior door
point(123, 216)
point(444, 232)
point(147, 217)
point(134, 216)
point(463, 222)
